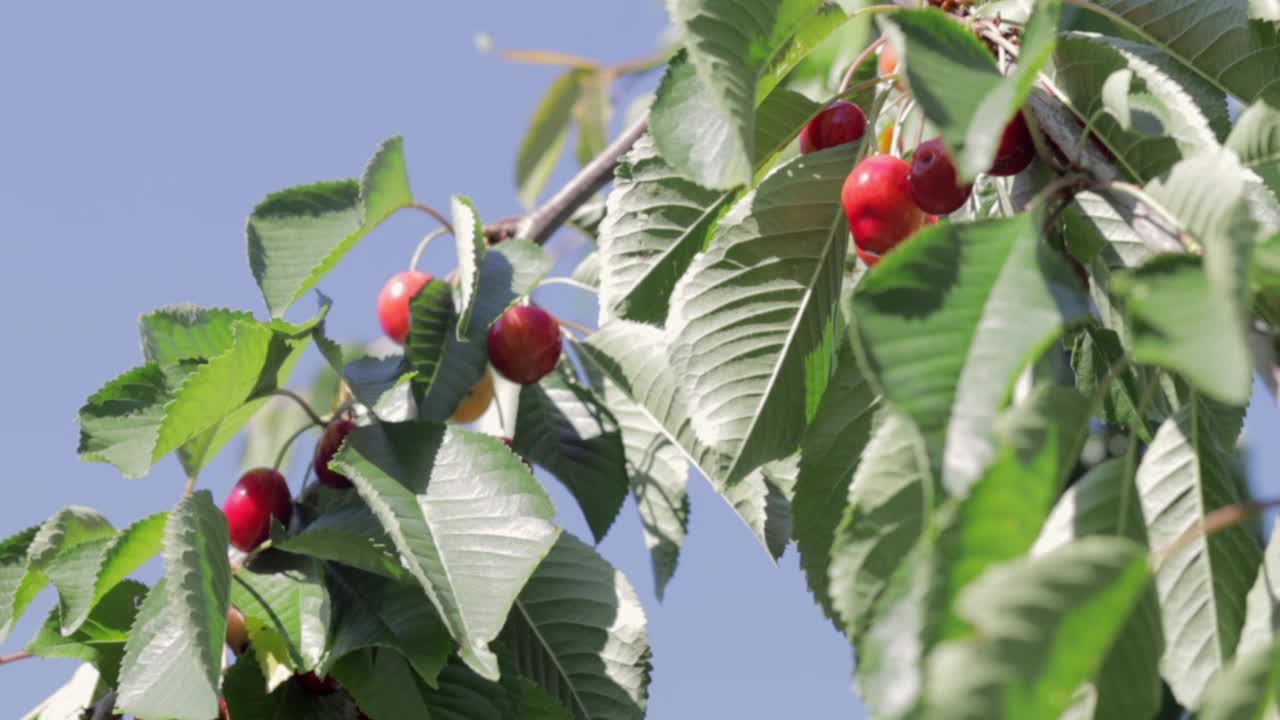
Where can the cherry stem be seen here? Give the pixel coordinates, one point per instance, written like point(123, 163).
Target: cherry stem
point(1221, 519)
point(857, 61)
point(6, 659)
point(433, 213)
point(302, 403)
point(569, 282)
point(284, 449)
point(422, 246)
point(576, 326)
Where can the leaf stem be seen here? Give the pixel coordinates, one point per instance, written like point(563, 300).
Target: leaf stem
point(576, 326)
point(302, 403)
point(857, 61)
point(569, 282)
point(422, 246)
point(1224, 518)
point(284, 449)
point(15, 657)
point(435, 214)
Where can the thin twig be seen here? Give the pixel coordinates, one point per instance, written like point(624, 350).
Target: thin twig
point(433, 213)
point(6, 659)
point(302, 403)
point(857, 62)
point(567, 281)
point(284, 449)
point(422, 246)
point(1221, 519)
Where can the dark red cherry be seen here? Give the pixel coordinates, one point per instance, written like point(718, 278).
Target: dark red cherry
point(260, 494)
point(524, 344)
point(328, 446)
point(1016, 149)
point(933, 180)
point(877, 202)
point(841, 123)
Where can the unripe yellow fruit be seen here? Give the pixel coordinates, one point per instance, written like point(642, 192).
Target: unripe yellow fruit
point(476, 401)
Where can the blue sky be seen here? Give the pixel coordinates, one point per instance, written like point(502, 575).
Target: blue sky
point(136, 138)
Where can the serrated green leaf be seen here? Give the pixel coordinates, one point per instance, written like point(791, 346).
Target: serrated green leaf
point(472, 246)
point(173, 657)
point(1262, 606)
point(248, 697)
point(825, 20)
point(287, 612)
point(86, 573)
point(1209, 36)
point(947, 321)
point(655, 222)
point(382, 684)
point(433, 318)
point(1044, 626)
point(1104, 502)
point(1248, 690)
point(120, 423)
point(510, 271)
point(779, 119)
point(954, 79)
point(563, 427)
point(633, 357)
point(890, 670)
point(187, 332)
point(468, 518)
point(372, 612)
point(299, 235)
point(1256, 139)
point(578, 631)
point(464, 695)
point(588, 270)
point(829, 457)
point(350, 535)
point(383, 384)
point(1187, 472)
point(751, 326)
point(98, 641)
point(693, 134)
point(882, 518)
point(540, 149)
point(1097, 356)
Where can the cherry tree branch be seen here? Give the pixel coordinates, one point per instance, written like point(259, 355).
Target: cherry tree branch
point(6, 659)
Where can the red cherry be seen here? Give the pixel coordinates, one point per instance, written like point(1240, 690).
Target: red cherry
point(933, 180)
point(842, 122)
point(328, 446)
point(223, 712)
point(261, 494)
point(868, 257)
point(1016, 149)
point(877, 201)
point(524, 344)
point(317, 686)
point(393, 302)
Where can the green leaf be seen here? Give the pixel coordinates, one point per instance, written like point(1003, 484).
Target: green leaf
point(1188, 472)
point(534, 703)
point(829, 456)
point(779, 119)
point(382, 685)
point(298, 236)
point(947, 321)
point(431, 325)
point(99, 641)
point(1097, 356)
point(86, 573)
point(633, 357)
point(467, 517)
point(563, 427)
point(1192, 112)
point(655, 222)
point(510, 271)
point(885, 515)
point(1248, 690)
point(1044, 627)
point(287, 613)
point(954, 79)
point(1262, 607)
point(1104, 502)
point(540, 149)
point(1210, 37)
point(592, 112)
point(763, 501)
point(173, 657)
point(890, 669)
point(693, 134)
point(348, 534)
point(248, 697)
point(588, 270)
point(1256, 139)
point(809, 34)
point(120, 423)
point(464, 695)
point(176, 333)
point(753, 321)
point(372, 612)
point(472, 246)
point(578, 631)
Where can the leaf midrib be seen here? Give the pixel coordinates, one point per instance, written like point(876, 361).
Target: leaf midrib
point(542, 641)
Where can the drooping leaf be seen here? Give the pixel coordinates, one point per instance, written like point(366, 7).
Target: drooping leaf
point(1105, 502)
point(287, 612)
point(350, 535)
point(248, 697)
point(99, 641)
point(1187, 472)
point(808, 35)
point(1098, 355)
point(540, 149)
point(891, 654)
point(884, 517)
point(372, 612)
point(1256, 139)
point(578, 631)
point(464, 695)
point(471, 551)
point(173, 657)
point(947, 321)
point(472, 246)
point(954, 79)
point(382, 684)
point(297, 236)
point(432, 321)
point(752, 324)
point(655, 222)
point(1045, 625)
point(564, 427)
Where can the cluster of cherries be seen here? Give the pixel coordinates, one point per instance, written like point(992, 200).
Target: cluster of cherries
point(523, 345)
point(886, 199)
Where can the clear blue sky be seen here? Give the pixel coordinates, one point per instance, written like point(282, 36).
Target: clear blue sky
point(136, 138)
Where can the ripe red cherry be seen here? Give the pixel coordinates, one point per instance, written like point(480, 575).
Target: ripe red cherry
point(877, 201)
point(317, 686)
point(237, 633)
point(223, 712)
point(842, 122)
point(524, 344)
point(393, 302)
point(261, 494)
point(328, 446)
point(933, 180)
point(1016, 149)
